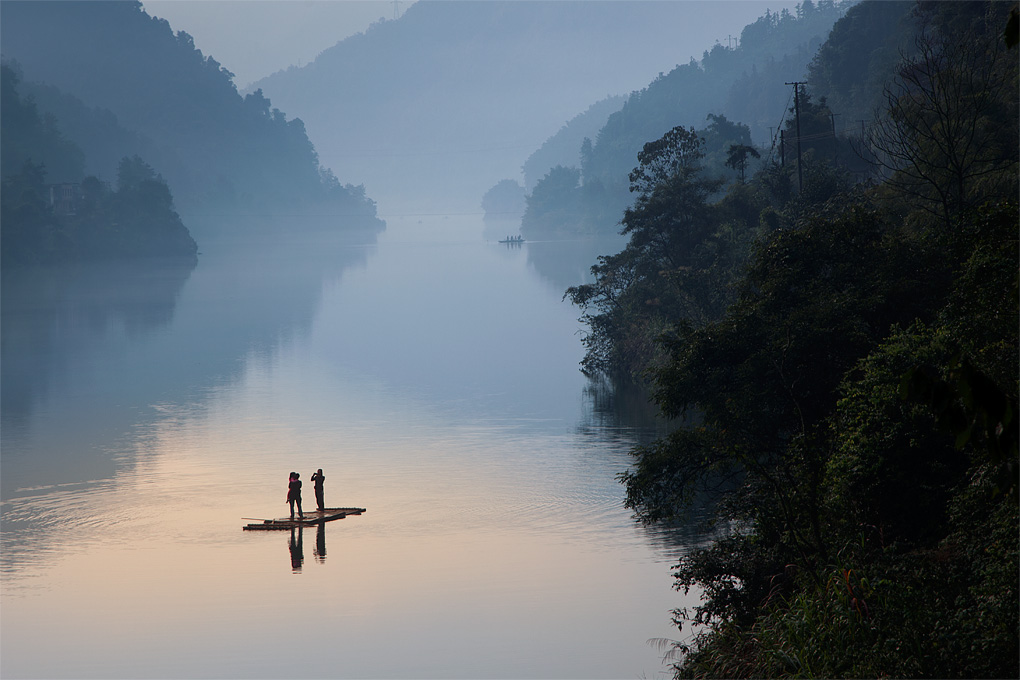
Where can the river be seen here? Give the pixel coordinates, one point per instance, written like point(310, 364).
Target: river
point(432, 374)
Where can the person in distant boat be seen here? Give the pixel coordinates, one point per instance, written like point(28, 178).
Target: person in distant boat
point(318, 478)
point(294, 494)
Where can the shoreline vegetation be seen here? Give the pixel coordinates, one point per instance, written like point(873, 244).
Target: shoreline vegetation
point(844, 351)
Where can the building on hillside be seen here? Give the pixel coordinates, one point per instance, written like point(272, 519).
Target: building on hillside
point(65, 199)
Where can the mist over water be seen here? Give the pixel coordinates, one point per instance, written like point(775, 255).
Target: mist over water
point(153, 407)
point(430, 372)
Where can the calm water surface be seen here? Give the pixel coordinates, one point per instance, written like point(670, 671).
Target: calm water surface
point(431, 373)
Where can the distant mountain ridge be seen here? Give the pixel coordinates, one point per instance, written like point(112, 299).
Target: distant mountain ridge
point(453, 96)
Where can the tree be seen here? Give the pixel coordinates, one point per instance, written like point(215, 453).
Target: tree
point(139, 185)
point(671, 218)
point(671, 159)
point(27, 222)
point(947, 136)
point(554, 204)
point(737, 158)
point(665, 273)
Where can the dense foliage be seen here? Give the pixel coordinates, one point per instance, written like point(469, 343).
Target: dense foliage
point(30, 135)
point(843, 358)
point(81, 219)
point(568, 201)
point(688, 242)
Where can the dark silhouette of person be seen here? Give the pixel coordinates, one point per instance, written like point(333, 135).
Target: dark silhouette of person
point(319, 478)
point(297, 551)
point(294, 495)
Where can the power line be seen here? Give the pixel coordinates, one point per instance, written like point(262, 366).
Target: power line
point(779, 131)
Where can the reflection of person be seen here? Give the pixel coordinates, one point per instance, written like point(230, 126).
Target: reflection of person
point(294, 495)
point(319, 478)
point(297, 552)
point(320, 543)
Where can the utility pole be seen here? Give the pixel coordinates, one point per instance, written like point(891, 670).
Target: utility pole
point(796, 110)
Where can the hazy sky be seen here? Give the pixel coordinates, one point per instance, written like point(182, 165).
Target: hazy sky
point(254, 38)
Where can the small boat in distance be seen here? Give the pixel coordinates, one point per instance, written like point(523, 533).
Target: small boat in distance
point(513, 239)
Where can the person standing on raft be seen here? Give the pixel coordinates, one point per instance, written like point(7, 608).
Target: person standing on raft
point(319, 478)
point(294, 495)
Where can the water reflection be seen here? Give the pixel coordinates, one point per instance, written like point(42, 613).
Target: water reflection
point(60, 326)
point(297, 551)
point(53, 316)
point(101, 350)
point(620, 403)
point(498, 476)
point(100, 363)
point(565, 263)
point(320, 543)
point(623, 411)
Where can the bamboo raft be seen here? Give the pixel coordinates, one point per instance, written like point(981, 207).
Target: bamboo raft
point(312, 518)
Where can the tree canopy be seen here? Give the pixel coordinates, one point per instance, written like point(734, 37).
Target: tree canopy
point(840, 363)
point(76, 218)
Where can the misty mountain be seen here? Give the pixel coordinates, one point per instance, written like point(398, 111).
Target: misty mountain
point(97, 131)
point(564, 148)
point(125, 84)
point(51, 212)
point(453, 96)
point(746, 84)
point(29, 136)
point(854, 64)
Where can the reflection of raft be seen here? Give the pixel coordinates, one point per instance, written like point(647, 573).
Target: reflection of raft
point(311, 518)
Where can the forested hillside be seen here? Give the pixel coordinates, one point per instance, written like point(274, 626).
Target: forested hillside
point(840, 358)
point(567, 147)
point(123, 84)
point(746, 84)
point(52, 213)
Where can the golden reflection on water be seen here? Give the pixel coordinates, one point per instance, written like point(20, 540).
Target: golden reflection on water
point(444, 572)
point(494, 544)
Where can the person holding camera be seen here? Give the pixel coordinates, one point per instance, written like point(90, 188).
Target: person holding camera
point(318, 478)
